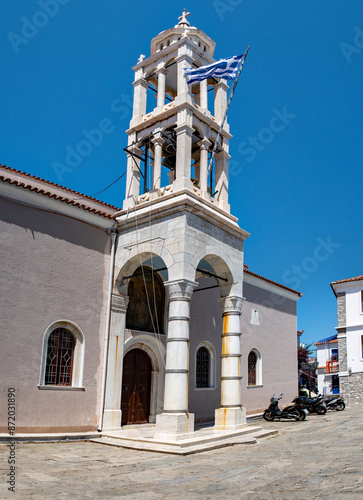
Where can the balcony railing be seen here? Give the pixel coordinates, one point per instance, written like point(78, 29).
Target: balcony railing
point(332, 366)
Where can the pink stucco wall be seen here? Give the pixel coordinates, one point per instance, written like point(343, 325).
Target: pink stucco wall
point(52, 268)
point(274, 338)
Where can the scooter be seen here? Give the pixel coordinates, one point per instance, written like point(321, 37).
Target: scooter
point(291, 412)
point(335, 403)
point(313, 405)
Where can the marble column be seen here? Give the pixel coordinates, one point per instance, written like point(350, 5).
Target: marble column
point(231, 415)
point(221, 179)
point(184, 133)
point(203, 86)
point(112, 411)
point(158, 142)
point(220, 100)
point(140, 95)
point(133, 176)
point(161, 72)
point(204, 146)
point(176, 422)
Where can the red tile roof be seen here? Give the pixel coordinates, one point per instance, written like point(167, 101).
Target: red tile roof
point(246, 271)
point(349, 280)
point(327, 342)
point(60, 193)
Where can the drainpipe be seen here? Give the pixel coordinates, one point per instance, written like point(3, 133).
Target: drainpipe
point(108, 321)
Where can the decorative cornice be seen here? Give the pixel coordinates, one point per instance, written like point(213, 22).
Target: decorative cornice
point(119, 303)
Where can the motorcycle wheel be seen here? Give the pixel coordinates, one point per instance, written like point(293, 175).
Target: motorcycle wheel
point(302, 415)
point(340, 406)
point(269, 416)
point(297, 415)
point(321, 410)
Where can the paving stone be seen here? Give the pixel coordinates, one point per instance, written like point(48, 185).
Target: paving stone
point(322, 458)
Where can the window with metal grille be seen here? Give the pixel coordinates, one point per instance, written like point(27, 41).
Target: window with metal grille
point(252, 362)
point(60, 356)
point(202, 367)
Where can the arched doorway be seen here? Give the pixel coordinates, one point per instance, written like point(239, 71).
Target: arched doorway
point(136, 383)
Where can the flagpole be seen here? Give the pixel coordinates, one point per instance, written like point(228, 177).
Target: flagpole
point(227, 107)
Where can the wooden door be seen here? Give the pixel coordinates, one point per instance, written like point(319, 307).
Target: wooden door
point(136, 382)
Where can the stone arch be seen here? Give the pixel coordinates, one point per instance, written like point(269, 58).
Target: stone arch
point(148, 252)
point(224, 275)
point(156, 352)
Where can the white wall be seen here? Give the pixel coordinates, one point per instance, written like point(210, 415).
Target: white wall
point(354, 349)
point(354, 312)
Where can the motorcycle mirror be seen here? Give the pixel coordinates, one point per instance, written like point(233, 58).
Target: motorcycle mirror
point(282, 394)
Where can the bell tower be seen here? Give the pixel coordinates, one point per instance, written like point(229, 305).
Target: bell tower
point(172, 133)
point(176, 223)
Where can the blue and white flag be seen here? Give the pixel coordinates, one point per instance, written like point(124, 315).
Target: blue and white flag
point(225, 68)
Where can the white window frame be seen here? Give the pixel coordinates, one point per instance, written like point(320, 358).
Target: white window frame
point(78, 356)
point(255, 317)
point(212, 367)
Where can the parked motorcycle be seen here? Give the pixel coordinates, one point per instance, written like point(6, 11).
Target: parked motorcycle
point(335, 403)
point(290, 412)
point(313, 405)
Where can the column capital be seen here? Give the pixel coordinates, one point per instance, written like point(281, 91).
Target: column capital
point(180, 129)
point(158, 137)
point(222, 84)
point(119, 303)
point(180, 289)
point(204, 143)
point(231, 304)
point(141, 81)
point(222, 155)
point(161, 69)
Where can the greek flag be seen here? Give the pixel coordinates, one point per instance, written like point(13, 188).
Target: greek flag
point(225, 68)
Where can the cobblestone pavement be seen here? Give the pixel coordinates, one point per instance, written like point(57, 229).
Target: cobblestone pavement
point(319, 458)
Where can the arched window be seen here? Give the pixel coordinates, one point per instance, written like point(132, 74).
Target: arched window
point(202, 367)
point(146, 293)
point(60, 358)
point(252, 365)
point(254, 368)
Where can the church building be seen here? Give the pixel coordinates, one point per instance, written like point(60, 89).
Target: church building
point(145, 313)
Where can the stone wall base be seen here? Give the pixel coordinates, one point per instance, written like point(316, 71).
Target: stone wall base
point(351, 388)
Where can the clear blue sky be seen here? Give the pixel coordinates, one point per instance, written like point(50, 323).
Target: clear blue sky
point(296, 182)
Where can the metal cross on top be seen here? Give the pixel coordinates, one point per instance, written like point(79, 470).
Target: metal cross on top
point(183, 19)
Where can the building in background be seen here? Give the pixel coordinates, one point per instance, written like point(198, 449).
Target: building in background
point(328, 368)
point(349, 295)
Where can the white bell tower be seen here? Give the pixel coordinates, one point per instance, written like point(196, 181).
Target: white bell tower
point(176, 213)
point(171, 138)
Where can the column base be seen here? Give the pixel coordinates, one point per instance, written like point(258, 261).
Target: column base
point(174, 426)
point(227, 419)
point(182, 183)
point(128, 203)
point(111, 419)
point(223, 205)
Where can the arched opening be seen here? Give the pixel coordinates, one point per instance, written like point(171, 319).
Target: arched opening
point(62, 355)
point(146, 293)
point(202, 368)
point(136, 385)
point(254, 367)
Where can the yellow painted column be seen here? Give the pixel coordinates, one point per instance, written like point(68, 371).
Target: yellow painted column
point(231, 415)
